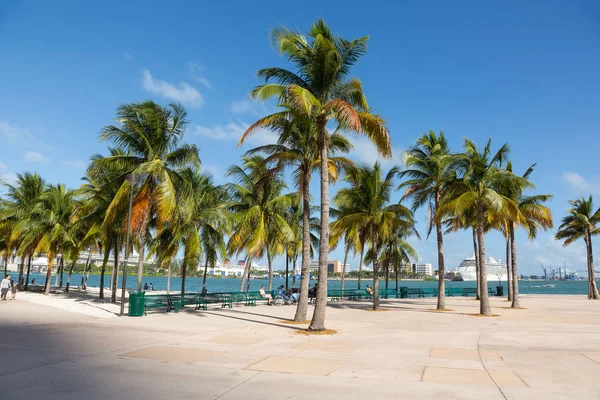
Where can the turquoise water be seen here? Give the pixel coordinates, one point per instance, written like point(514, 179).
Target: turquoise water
point(232, 285)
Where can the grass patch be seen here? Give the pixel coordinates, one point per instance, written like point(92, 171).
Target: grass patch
point(442, 310)
point(514, 308)
point(484, 316)
point(308, 333)
point(292, 322)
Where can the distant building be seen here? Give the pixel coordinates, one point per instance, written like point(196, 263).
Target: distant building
point(422, 269)
point(333, 266)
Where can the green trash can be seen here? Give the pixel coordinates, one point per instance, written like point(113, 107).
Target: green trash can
point(499, 290)
point(136, 303)
point(403, 292)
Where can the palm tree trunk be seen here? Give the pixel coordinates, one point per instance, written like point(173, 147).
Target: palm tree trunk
point(592, 274)
point(21, 271)
point(375, 274)
point(169, 277)
point(484, 303)
point(184, 274)
point(115, 274)
point(28, 271)
point(103, 270)
point(344, 265)
point(441, 303)
point(477, 269)
point(204, 277)
point(318, 319)
point(302, 307)
point(294, 277)
point(70, 273)
point(387, 274)
point(59, 274)
point(48, 274)
point(62, 268)
point(140, 275)
point(360, 264)
point(287, 271)
point(396, 273)
point(246, 273)
point(5, 262)
point(249, 275)
point(513, 265)
point(85, 270)
point(509, 268)
point(270, 266)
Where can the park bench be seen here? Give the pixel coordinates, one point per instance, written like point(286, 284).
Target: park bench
point(388, 293)
point(451, 292)
point(433, 292)
point(335, 294)
point(415, 292)
point(253, 297)
point(167, 301)
point(469, 291)
point(203, 300)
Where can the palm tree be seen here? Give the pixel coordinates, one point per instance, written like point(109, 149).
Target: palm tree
point(429, 171)
point(51, 222)
point(397, 251)
point(150, 138)
point(297, 147)
point(532, 215)
point(322, 89)
point(581, 223)
point(480, 173)
point(369, 199)
point(259, 209)
point(21, 199)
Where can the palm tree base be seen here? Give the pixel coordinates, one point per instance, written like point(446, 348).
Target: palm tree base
point(316, 332)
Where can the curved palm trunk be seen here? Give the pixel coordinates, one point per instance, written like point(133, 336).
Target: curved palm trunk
point(70, 273)
point(441, 303)
point(302, 308)
point(48, 274)
point(115, 275)
point(513, 266)
point(318, 319)
point(103, 271)
point(294, 277)
point(360, 264)
point(375, 275)
point(484, 303)
point(184, 273)
point(204, 276)
point(477, 266)
point(28, 271)
point(591, 273)
point(6, 263)
point(344, 266)
point(246, 274)
point(509, 269)
point(140, 275)
point(86, 270)
point(59, 276)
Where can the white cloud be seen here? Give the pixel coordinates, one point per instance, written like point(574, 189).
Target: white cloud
point(580, 185)
point(35, 157)
point(233, 131)
point(15, 135)
point(183, 93)
point(78, 164)
point(365, 152)
point(3, 167)
point(126, 56)
point(196, 74)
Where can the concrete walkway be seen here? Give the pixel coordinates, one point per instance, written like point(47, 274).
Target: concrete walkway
point(551, 350)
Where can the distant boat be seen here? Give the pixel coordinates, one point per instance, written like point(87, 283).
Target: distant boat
point(495, 270)
point(549, 285)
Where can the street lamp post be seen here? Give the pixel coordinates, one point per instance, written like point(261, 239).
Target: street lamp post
point(131, 179)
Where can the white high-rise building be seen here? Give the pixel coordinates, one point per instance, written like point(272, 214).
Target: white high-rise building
point(422, 269)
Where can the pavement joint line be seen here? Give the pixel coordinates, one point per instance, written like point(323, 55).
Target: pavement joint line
point(485, 368)
point(36, 366)
point(589, 358)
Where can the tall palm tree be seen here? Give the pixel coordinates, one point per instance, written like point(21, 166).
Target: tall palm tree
point(21, 199)
point(150, 138)
point(429, 171)
point(582, 223)
point(369, 199)
point(532, 215)
point(322, 88)
point(480, 173)
point(396, 251)
point(297, 148)
point(259, 208)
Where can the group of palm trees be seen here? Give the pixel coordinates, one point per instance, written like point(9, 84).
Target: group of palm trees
point(177, 209)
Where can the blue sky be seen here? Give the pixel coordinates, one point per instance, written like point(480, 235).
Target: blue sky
point(525, 73)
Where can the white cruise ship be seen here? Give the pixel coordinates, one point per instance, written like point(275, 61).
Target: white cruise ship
point(495, 270)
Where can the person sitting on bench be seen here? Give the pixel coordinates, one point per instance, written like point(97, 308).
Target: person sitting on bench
point(369, 290)
point(265, 295)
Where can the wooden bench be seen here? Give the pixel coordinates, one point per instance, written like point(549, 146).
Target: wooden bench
point(415, 292)
point(451, 292)
point(169, 302)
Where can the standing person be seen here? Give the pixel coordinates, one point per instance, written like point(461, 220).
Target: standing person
point(5, 286)
point(13, 289)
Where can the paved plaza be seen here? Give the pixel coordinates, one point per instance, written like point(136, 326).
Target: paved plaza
point(551, 350)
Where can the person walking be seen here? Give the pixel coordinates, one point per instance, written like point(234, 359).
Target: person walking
point(5, 286)
point(13, 290)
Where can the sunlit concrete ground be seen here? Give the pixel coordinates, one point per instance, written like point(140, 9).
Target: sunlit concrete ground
point(551, 350)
